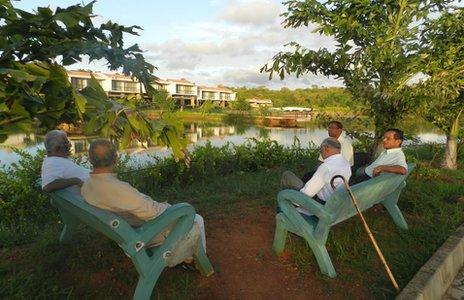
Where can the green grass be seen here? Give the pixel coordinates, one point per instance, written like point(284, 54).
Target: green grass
point(47, 267)
point(38, 266)
point(431, 219)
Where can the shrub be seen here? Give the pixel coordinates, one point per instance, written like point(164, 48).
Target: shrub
point(20, 197)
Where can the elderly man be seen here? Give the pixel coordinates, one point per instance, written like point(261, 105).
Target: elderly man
point(335, 130)
point(105, 191)
point(391, 160)
point(318, 187)
point(58, 171)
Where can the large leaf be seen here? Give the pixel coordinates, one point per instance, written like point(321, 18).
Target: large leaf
point(17, 75)
point(34, 86)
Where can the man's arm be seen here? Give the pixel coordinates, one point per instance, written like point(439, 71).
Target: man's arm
point(59, 184)
point(396, 169)
point(315, 184)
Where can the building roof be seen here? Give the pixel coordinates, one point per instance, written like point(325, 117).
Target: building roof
point(118, 76)
point(85, 74)
point(161, 81)
point(181, 81)
point(215, 89)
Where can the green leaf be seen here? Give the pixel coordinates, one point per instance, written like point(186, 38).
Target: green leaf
point(80, 102)
point(3, 107)
point(17, 109)
point(18, 75)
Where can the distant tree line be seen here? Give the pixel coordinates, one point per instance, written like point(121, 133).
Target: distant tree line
point(315, 97)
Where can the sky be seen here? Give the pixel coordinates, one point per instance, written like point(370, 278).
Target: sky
point(209, 42)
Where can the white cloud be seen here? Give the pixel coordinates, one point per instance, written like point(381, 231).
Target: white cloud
point(257, 13)
point(253, 78)
point(232, 48)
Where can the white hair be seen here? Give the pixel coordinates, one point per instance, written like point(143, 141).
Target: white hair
point(53, 139)
point(331, 143)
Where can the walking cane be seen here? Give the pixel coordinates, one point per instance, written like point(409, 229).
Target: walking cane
point(369, 233)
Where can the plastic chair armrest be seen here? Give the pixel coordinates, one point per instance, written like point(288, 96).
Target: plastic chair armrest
point(171, 215)
point(306, 202)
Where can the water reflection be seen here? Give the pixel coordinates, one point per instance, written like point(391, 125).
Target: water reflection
point(197, 134)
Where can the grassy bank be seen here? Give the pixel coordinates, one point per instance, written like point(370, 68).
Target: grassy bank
point(224, 183)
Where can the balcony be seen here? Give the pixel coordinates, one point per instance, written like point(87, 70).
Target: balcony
point(125, 86)
point(185, 90)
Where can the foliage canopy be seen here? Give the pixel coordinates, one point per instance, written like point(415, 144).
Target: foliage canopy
point(441, 59)
point(34, 88)
point(373, 47)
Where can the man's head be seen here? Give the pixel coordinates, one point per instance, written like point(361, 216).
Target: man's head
point(393, 138)
point(329, 147)
point(57, 143)
point(102, 155)
point(335, 128)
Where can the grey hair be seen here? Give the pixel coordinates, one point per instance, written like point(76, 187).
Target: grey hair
point(53, 139)
point(331, 143)
point(102, 153)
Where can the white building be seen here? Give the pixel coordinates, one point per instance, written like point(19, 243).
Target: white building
point(182, 90)
point(219, 95)
point(187, 93)
point(255, 103)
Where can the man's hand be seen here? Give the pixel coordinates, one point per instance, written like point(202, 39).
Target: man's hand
point(377, 170)
point(78, 181)
point(59, 184)
point(389, 169)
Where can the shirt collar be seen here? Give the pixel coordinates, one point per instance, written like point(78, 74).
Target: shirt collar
point(388, 151)
point(342, 135)
point(332, 157)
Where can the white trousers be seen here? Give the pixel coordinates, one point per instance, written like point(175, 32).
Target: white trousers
point(201, 225)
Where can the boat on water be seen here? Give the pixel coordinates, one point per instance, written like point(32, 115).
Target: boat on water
point(272, 121)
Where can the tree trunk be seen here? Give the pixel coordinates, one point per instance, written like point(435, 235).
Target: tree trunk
point(380, 128)
point(450, 161)
point(377, 148)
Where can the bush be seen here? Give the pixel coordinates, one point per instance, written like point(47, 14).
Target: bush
point(20, 197)
point(208, 161)
point(22, 202)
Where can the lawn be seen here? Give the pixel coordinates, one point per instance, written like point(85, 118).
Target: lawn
point(239, 210)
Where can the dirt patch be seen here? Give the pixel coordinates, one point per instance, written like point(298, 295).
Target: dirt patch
point(239, 246)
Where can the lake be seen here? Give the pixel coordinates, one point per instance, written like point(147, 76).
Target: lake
point(199, 133)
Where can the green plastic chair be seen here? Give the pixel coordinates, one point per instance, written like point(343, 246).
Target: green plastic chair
point(384, 189)
point(149, 263)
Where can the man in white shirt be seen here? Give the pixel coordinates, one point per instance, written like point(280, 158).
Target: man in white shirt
point(58, 171)
point(318, 187)
point(335, 130)
point(391, 160)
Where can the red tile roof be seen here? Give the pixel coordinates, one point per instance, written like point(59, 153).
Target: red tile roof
point(85, 74)
point(215, 89)
point(181, 81)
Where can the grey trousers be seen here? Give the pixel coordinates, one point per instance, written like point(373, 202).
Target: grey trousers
point(290, 181)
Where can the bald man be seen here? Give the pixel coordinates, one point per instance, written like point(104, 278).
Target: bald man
point(106, 191)
point(319, 187)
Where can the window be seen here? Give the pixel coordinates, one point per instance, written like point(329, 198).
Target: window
point(125, 86)
point(160, 87)
point(208, 95)
point(225, 96)
point(117, 85)
point(79, 83)
point(131, 86)
point(184, 89)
